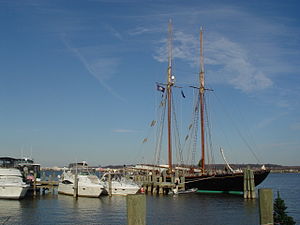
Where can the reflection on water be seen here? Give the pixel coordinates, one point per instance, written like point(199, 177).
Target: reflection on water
point(62, 209)
point(205, 209)
point(201, 209)
point(9, 211)
point(183, 209)
point(94, 210)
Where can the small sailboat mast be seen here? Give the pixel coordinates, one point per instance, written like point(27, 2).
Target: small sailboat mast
point(170, 83)
point(201, 93)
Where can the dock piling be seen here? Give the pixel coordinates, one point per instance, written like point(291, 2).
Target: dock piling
point(154, 190)
point(161, 190)
point(265, 206)
point(183, 182)
point(249, 185)
point(75, 195)
point(109, 185)
point(53, 176)
point(164, 174)
point(34, 185)
point(136, 209)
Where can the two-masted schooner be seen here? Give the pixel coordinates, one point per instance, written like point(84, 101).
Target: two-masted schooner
point(201, 177)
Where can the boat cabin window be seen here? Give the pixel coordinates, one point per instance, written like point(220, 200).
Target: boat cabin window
point(66, 182)
point(7, 162)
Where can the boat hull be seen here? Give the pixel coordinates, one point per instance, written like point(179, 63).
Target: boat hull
point(117, 184)
point(125, 191)
point(93, 191)
point(11, 184)
point(118, 188)
point(224, 183)
point(13, 191)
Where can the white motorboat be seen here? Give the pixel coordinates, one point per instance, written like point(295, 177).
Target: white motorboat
point(88, 184)
point(29, 169)
point(119, 185)
point(12, 185)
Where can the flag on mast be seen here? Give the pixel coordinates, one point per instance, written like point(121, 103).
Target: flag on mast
point(160, 88)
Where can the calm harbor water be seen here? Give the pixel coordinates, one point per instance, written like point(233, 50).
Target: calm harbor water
point(183, 209)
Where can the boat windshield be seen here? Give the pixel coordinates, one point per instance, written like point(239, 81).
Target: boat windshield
point(7, 162)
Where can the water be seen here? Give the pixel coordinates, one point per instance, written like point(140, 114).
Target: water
point(183, 209)
point(288, 186)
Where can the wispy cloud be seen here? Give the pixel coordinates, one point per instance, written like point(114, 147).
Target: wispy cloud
point(102, 68)
point(249, 52)
point(229, 60)
point(184, 47)
point(235, 65)
point(114, 32)
point(138, 31)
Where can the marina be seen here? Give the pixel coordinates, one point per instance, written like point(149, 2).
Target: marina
point(210, 209)
point(123, 182)
point(149, 112)
point(79, 181)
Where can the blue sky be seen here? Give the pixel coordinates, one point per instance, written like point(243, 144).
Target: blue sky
point(77, 78)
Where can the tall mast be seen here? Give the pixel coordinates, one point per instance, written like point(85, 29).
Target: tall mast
point(170, 82)
point(201, 92)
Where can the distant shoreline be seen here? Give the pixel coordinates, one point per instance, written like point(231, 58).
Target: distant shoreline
point(285, 171)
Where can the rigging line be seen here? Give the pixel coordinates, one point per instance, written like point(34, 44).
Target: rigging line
point(189, 138)
point(239, 132)
point(193, 131)
point(186, 145)
point(250, 136)
point(159, 132)
point(140, 154)
point(181, 126)
point(209, 130)
point(188, 142)
point(147, 138)
point(196, 128)
point(141, 149)
point(177, 138)
point(158, 141)
point(221, 130)
point(175, 130)
point(191, 142)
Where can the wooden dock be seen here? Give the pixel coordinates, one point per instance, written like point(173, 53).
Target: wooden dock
point(154, 183)
point(42, 186)
point(162, 182)
point(46, 183)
